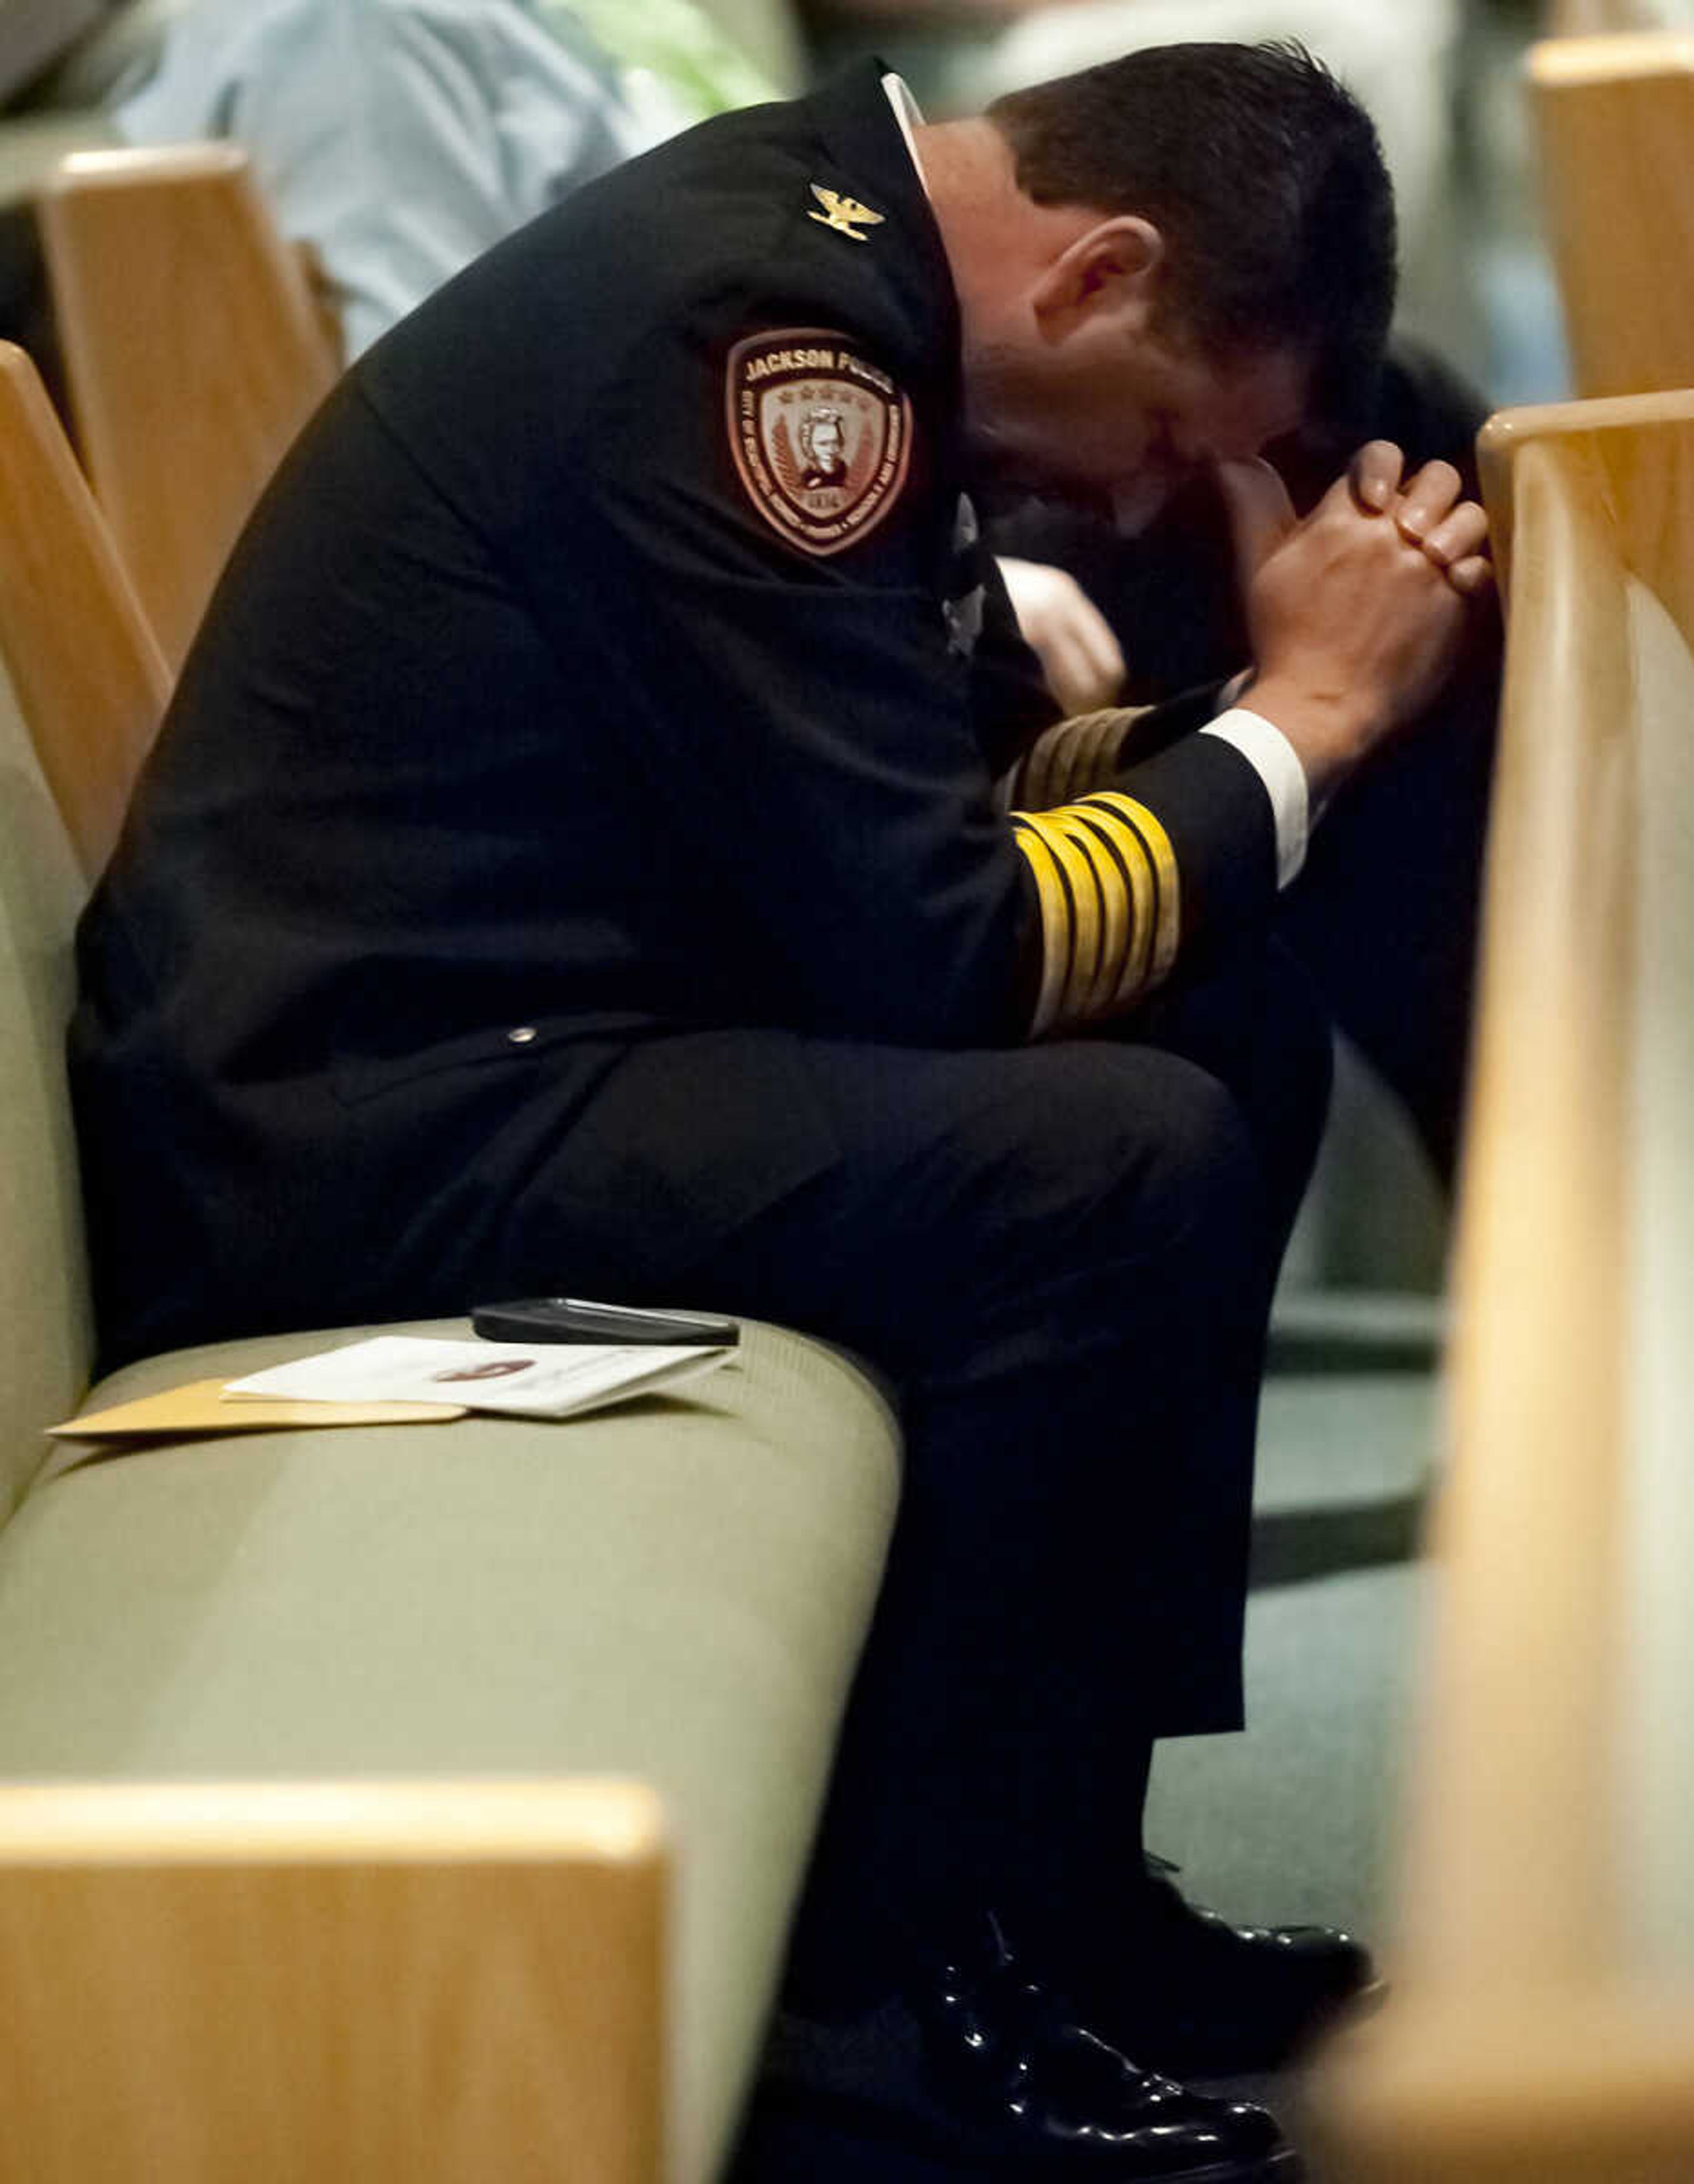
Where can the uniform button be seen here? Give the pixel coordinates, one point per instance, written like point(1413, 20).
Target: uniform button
point(522, 1035)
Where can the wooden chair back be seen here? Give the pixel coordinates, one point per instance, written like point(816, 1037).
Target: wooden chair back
point(1587, 19)
point(1614, 121)
point(194, 349)
point(403, 1983)
point(1541, 2031)
point(89, 677)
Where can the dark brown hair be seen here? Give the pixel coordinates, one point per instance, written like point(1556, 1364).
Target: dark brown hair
point(1263, 174)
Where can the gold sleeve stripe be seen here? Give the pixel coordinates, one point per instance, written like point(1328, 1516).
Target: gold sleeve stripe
point(1102, 745)
point(1073, 756)
point(1107, 889)
point(1037, 787)
point(1121, 850)
point(1067, 752)
point(1092, 834)
point(1106, 895)
point(1157, 921)
point(1030, 777)
point(1167, 909)
point(1086, 893)
point(1064, 765)
point(1056, 924)
point(1135, 971)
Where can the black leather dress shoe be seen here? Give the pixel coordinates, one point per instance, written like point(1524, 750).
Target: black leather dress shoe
point(1187, 1991)
point(1041, 2094)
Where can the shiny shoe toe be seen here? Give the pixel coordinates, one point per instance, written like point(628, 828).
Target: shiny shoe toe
point(1055, 2098)
point(1190, 1993)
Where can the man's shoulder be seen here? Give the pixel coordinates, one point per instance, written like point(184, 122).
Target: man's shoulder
point(555, 356)
point(757, 208)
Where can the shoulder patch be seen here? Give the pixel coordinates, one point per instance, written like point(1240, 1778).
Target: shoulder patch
point(821, 437)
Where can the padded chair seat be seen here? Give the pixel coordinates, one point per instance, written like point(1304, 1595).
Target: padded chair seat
point(677, 1590)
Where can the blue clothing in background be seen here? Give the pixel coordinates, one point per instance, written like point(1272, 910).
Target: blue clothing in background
point(401, 137)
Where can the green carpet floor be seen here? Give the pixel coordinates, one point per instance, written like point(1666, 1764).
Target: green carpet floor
point(1297, 1818)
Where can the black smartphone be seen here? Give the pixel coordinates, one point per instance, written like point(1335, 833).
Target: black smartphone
point(575, 1319)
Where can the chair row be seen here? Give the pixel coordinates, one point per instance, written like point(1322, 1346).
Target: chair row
point(1543, 2025)
point(195, 349)
point(1542, 2028)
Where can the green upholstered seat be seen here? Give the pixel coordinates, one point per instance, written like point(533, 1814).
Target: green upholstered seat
point(676, 1591)
point(44, 1358)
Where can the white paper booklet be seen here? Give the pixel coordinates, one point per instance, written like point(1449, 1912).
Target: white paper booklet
point(548, 1381)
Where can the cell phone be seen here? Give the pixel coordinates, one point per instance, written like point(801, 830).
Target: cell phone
point(575, 1319)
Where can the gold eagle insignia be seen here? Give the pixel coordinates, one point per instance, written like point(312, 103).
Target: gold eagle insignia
point(846, 216)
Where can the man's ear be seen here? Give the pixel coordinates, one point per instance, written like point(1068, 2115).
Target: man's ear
point(1111, 263)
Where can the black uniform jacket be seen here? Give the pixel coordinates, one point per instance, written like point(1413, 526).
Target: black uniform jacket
point(550, 704)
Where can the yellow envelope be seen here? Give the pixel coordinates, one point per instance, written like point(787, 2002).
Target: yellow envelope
point(202, 1407)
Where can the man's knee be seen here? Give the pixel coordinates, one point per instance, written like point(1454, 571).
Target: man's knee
point(1125, 1160)
point(1289, 1105)
point(1020, 1197)
point(1259, 1027)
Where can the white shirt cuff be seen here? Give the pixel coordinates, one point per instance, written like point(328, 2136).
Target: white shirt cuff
point(1272, 757)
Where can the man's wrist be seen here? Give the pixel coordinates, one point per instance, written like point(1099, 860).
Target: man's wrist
point(1329, 731)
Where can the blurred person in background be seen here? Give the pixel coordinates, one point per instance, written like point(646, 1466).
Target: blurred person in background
point(399, 138)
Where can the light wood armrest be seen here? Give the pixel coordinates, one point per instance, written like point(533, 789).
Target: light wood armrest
point(1535, 2035)
point(398, 1983)
point(1615, 120)
point(195, 350)
point(1582, 19)
point(90, 679)
point(1622, 458)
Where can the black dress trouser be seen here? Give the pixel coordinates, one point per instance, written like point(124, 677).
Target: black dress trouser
point(1061, 1256)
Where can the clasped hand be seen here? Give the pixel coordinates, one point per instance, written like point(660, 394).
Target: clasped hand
point(1355, 611)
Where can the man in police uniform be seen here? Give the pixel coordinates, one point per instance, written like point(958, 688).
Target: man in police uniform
point(575, 856)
